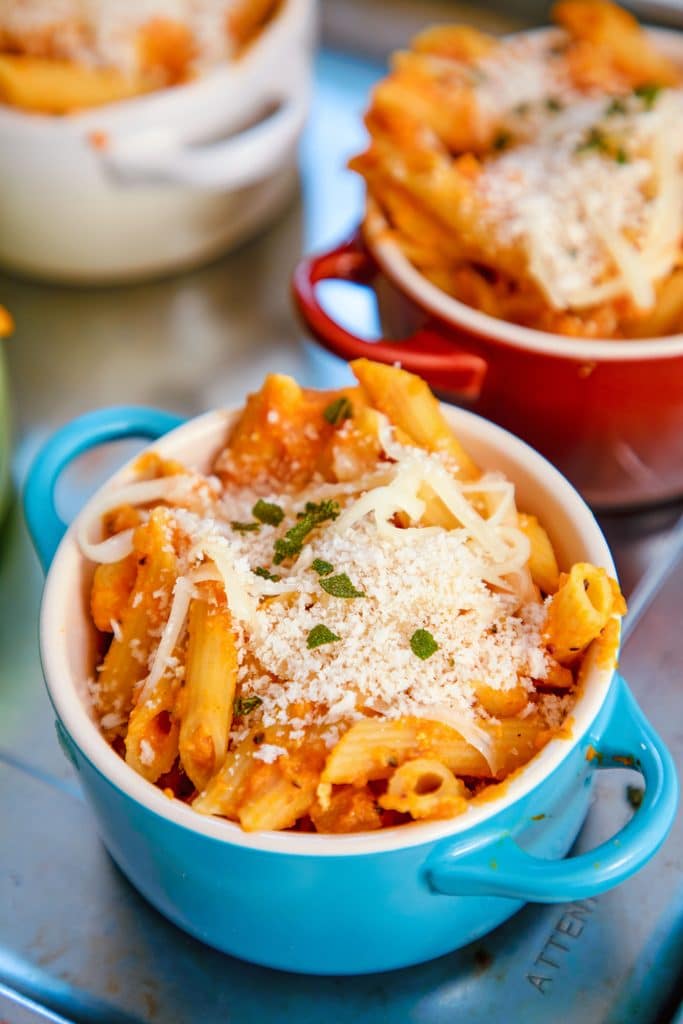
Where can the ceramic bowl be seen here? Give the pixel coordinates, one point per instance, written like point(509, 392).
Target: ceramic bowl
point(364, 902)
point(164, 181)
point(608, 414)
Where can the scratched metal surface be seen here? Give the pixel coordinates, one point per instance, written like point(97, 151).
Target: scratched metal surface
point(75, 938)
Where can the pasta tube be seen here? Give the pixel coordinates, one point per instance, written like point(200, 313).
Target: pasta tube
point(374, 747)
point(210, 679)
point(278, 793)
point(112, 586)
point(425, 788)
point(542, 561)
point(125, 663)
point(153, 728)
point(409, 403)
point(579, 611)
point(502, 703)
point(223, 793)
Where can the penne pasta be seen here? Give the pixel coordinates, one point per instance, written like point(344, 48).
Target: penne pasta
point(409, 403)
point(125, 663)
point(502, 703)
point(153, 730)
point(210, 680)
point(223, 793)
point(372, 748)
point(112, 587)
point(542, 561)
point(346, 632)
point(425, 788)
point(579, 611)
point(458, 166)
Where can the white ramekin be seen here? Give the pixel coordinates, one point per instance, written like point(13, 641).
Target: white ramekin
point(163, 181)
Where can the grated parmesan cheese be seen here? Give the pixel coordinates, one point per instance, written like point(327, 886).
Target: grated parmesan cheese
point(582, 195)
point(269, 753)
point(146, 752)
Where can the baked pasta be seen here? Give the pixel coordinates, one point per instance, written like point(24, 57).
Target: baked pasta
point(346, 624)
point(538, 178)
point(58, 56)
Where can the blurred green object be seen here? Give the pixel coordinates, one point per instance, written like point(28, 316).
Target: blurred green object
point(4, 437)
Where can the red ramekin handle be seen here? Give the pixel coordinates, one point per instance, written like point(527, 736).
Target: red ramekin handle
point(439, 360)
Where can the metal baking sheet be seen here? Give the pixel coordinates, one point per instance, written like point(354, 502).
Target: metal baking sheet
point(76, 941)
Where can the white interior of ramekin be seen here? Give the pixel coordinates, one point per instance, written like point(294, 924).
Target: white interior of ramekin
point(67, 640)
point(402, 272)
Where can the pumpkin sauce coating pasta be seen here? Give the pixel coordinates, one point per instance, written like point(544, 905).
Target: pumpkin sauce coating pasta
point(537, 178)
point(346, 626)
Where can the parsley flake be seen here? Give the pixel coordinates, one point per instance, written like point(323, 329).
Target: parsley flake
point(502, 141)
point(340, 586)
point(423, 644)
point(245, 705)
point(245, 527)
point(320, 635)
point(338, 411)
point(290, 545)
point(553, 104)
point(322, 567)
point(595, 139)
point(648, 93)
point(616, 106)
point(268, 512)
point(265, 575)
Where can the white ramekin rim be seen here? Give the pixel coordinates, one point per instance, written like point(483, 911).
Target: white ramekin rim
point(405, 275)
point(71, 708)
point(212, 85)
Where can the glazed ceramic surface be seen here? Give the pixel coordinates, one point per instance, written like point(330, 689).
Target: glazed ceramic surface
point(163, 181)
point(365, 902)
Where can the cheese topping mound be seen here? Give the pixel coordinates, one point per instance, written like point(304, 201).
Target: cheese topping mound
point(591, 190)
point(327, 637)
point(375, 611)
point(432, 583)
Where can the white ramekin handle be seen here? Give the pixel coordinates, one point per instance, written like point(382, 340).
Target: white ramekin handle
point(242, 159)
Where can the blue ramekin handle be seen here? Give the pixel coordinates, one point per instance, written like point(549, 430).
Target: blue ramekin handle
point(495, 865)
point(115, 424)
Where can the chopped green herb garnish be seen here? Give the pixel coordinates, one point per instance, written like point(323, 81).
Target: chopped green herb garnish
point(634, 795)
point(267, 512)
point(522, 109)
point(340, 586)
point(290, 545)
point(554, 105)
point(265, 575)
point(502, 140)
point(594, 140)
point(245, 527)
point(245, 705)
point(320, 635)
point(338, 411)
point(322, 567)
point(648, 94)
point(616, 106)
point(423, 644)
point(621, 156)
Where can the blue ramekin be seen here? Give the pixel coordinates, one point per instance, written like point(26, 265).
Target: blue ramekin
point(372, 901)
